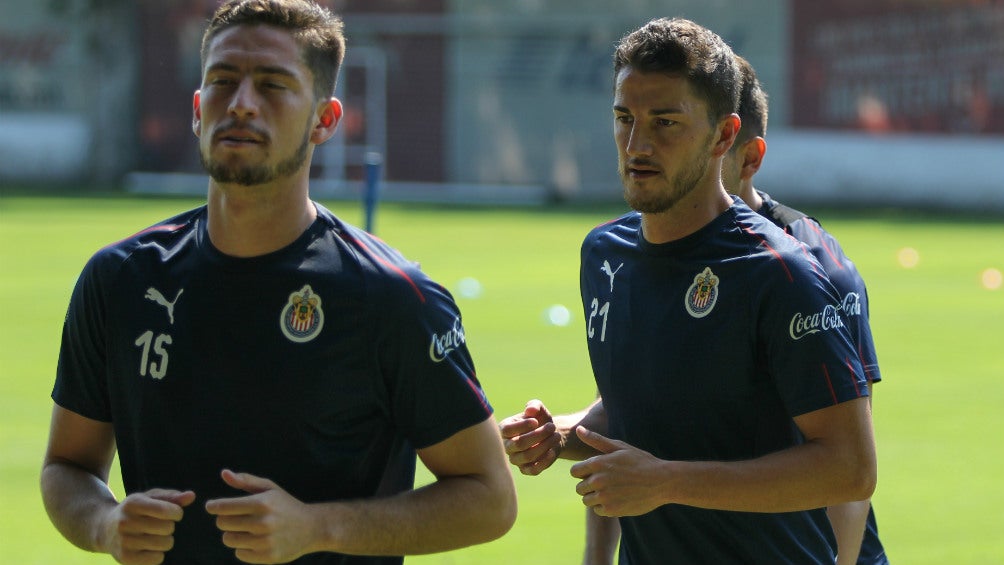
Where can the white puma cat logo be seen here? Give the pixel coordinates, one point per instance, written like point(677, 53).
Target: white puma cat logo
point(155, 295)
point(610, 272)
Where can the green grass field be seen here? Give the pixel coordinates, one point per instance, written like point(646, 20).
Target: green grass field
point(939, 331)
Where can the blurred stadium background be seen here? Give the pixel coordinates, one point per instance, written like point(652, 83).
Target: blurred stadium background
point(873, 102)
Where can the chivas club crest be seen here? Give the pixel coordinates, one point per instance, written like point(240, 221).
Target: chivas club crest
point(302, 318)
point(702, 294)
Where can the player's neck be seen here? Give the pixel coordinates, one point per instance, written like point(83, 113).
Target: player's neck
point(687, 216)
point(248, 221)
point(749, 194)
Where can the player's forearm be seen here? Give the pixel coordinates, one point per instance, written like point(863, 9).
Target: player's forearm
point(592, 418)
point(602, 535)
point(848, 521)
point(76, 500)
point(451, 513)
point(803, 477)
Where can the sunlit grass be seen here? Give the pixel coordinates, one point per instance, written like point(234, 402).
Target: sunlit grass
point(939, 332)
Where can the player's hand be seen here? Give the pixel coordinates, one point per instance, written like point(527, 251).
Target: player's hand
point(621, 481)
point(140, 530)
point(268, 526)
point(531, 439)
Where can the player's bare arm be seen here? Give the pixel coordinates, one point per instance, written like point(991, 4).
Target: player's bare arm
point(271, 526)
point(76, 495)
point(848, 521)
point(836, 464)
point(850, 518)
point(602, 536)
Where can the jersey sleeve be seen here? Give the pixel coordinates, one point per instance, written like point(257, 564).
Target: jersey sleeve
point(430, 378)
point(80, 384)
point(853, 294)
point(810, 348)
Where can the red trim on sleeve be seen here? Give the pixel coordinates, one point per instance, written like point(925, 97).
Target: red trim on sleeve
point(151, 229)
point(389, 265)
point(829, 383)
point(822, 241)
point(850, 371)
point(774, 252)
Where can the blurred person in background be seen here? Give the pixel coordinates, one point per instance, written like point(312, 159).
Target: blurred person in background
point(263, 357)
point(733, 407)
point(853, 523)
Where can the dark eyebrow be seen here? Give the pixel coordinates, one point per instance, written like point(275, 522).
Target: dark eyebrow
point(262, 70)
point(653, 112)
point(274, 71)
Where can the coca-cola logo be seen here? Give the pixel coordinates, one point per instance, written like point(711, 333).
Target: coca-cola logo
point(443, 345)
point(851, 304)
point(805, 324)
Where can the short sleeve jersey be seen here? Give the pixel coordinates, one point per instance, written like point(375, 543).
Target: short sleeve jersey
point(321, 366)
point(854, 300)
point(705, 348)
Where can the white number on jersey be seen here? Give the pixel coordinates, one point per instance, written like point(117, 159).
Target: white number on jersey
point(602, 311)
point(157, 367)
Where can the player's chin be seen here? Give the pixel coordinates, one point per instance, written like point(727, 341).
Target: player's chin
point(644, 201)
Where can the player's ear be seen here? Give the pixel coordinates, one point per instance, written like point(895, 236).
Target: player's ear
point(728, 129)
point(329, 113)
point(196, 112)
point(753, 152)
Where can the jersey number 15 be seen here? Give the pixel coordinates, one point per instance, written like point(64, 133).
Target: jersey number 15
point(158, 366)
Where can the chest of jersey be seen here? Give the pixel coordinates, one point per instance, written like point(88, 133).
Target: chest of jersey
point(282, 351)
point(269, 328)
point(676, 352)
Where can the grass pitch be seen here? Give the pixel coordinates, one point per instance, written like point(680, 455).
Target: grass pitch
point(938, 324)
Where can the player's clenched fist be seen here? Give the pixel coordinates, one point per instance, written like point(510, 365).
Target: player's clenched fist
point(531, 438)
point(140, 530)
point(267, 526)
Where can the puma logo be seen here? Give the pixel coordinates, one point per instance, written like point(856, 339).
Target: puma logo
point(155, 295)
point(610, 272)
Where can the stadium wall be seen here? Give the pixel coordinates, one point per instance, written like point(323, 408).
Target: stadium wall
point(67, 91)
point(915, 171)
point(514, 105)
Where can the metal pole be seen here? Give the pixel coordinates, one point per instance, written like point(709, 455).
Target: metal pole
point(371, 195)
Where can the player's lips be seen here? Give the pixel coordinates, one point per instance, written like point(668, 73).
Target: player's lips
point(638, 169)
point(239, 136)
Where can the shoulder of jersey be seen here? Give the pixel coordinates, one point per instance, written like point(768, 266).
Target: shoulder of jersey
point(629, 222)
point(165, 228)
point(388, 270)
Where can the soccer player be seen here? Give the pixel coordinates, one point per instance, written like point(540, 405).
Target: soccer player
point(733, 407)
point(854, 523)
point(265, 372)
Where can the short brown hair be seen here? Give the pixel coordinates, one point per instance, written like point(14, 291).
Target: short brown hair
point(752, 104)
point(318, 31)
point(681, 47)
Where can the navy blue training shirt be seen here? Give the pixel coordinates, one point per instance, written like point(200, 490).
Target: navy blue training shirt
point(321, 366)
point(854, 297)
point(705, 348)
